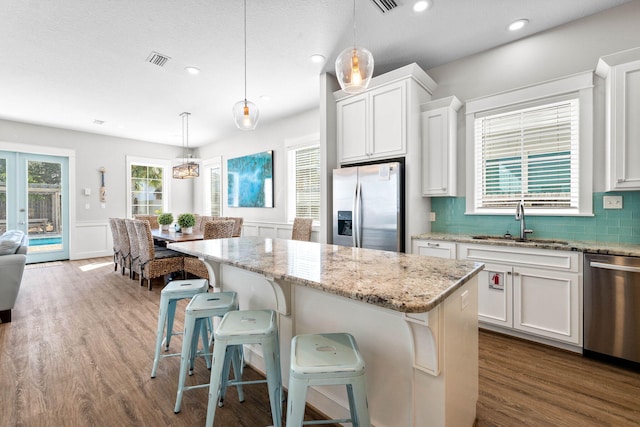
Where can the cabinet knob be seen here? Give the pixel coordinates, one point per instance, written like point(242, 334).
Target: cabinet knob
point(516, 274)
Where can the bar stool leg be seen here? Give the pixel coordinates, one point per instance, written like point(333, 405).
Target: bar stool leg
point(272, 365)
point(162, 318)
point(296, 402)
point(360, 400)
point(170, 317)
point(217, 364)
point(204, 336)
point(185, 357)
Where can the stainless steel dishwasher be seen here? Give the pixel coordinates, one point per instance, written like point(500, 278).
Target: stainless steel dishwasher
point(612, 306)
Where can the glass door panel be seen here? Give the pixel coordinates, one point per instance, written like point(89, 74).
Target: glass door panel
point(34, 199)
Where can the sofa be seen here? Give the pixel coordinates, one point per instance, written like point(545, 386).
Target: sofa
point(13, 256)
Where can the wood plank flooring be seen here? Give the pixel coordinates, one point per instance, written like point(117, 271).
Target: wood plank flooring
point(80, 348)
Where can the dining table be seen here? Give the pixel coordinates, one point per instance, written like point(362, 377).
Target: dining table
point(170, 236)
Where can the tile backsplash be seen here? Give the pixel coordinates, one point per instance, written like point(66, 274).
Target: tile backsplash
point(607, 225)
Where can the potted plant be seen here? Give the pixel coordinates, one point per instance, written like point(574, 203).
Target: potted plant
point(165, 219)
point(186, 221)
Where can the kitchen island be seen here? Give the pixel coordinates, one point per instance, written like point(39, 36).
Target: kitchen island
point(414, 318)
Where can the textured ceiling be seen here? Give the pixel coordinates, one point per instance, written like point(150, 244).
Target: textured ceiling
point(68, 63)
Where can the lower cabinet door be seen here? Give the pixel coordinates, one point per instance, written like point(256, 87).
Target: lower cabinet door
point(546, 303)
point(495, 295)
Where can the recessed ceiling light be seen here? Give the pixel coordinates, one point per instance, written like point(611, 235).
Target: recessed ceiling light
point(317, 58)
point(422, 5)
point(98, 122)
point(265, 97)
point(192, 70)
point(516, 25)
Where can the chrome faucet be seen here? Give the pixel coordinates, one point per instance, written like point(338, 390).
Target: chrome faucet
point(520, 217)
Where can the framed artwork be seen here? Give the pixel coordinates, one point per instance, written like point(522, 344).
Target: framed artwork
point(250, 181)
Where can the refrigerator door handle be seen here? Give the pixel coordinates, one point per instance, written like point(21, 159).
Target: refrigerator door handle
point(354, 225)
point(357, 213)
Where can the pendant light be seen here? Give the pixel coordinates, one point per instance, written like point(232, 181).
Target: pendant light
point(354, 66)
point(245, 113)
point(188, 168)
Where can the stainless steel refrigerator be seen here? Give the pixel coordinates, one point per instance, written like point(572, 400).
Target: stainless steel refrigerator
point(367, 206)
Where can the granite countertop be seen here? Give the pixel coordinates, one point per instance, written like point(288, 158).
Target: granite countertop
point(397, 281)
point(560, 245)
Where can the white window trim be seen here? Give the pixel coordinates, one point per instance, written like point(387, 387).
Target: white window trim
point(206, 166)
point(166, 179)
point(580, 84)
point(289, 145)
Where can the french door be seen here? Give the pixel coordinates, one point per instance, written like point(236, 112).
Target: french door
point(34, 199)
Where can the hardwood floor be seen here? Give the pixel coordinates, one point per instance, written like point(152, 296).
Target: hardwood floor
point(80, 348)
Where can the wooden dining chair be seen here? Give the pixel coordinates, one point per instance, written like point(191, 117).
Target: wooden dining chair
point(155, 263)
point(212, 230)
point(302, 229)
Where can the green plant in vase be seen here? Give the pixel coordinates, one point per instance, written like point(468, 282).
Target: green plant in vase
point(186, 221)
point(165, 220)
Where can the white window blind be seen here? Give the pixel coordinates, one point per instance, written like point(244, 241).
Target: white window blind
point(528, 155)
point(307, 182)
point(216, 188)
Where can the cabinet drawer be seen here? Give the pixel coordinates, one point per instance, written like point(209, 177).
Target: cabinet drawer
point(537, 258)
point(434, 248)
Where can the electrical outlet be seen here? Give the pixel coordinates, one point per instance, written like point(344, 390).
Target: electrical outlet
point(432, 216)
point(612, 202)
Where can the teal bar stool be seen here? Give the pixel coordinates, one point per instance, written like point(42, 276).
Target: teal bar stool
point(236, 329)
point(170, 295)
point(326, 359)
point(197, 320)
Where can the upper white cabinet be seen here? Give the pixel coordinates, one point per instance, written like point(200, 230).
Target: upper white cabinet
point(621, 72)
point(377, 124)
point(439, 141)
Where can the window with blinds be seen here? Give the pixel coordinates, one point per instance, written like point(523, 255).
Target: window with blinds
point(305, 165)
point(528, 155)
point(215, 191)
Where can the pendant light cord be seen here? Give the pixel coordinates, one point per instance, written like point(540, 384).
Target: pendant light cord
point(245, 52)
point(354, 24)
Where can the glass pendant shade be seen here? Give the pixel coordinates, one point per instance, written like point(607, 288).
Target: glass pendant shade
point(354, 68)
point(246, 115)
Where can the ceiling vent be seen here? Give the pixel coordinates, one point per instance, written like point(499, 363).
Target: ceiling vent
point(98, 122)
point(385, 6)
point(158, 59)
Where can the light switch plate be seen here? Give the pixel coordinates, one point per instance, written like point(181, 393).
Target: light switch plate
point(432, 216)
point(612, 202)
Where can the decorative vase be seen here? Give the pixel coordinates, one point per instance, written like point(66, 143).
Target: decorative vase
point(165, 227)
point(187, 230)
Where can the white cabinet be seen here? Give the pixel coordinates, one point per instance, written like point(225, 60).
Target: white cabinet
point(534, 291)
point(439, 142)
point(384, 121)
point(372, 125)
point(621, 72)
point(434, 248)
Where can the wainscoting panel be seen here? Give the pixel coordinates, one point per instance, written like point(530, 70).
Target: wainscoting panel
point(273, 230)
point(91, 239)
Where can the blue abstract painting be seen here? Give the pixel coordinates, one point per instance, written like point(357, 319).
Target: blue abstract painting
point(250, 181)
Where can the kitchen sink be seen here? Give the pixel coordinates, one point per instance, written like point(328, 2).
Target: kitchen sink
point(510, 238)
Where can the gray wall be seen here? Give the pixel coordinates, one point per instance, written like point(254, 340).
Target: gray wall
point(95, 151)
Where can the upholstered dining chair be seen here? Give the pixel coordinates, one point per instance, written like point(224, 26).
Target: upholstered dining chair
point(219, 229)
point(155, 263)
point(125, 246)
point(116, 244)
point(302, 229)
